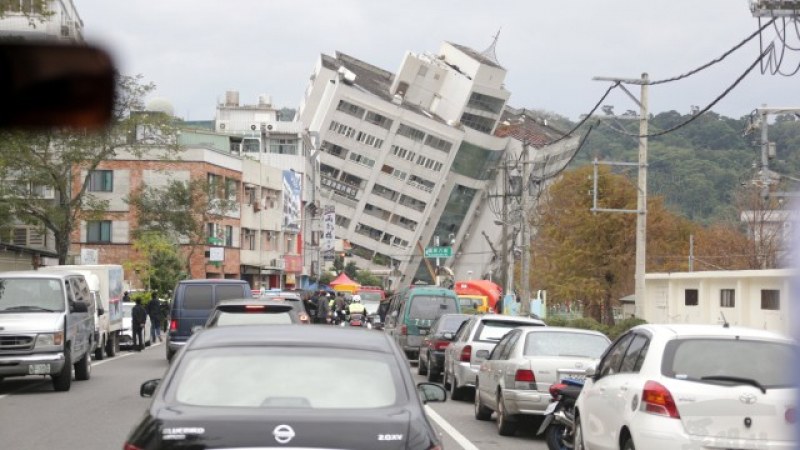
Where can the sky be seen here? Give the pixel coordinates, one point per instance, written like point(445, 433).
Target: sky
point(195, 50)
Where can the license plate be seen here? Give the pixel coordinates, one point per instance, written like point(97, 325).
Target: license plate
point(550, 408)
point(39, 369)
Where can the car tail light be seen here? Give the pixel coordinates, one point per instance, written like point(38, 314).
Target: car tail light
point(790, 415)
point(129, 446)
point(555, 389)
point(656, 399)
point(440, 345)
point(525, 375)
point(403, 330)
point(249, 308)
point(466, 354)
point(173, 325)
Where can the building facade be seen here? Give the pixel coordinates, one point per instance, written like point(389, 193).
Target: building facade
point(26, 20)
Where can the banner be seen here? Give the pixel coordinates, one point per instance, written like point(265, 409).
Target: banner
point(328, 232)
point(291, 200)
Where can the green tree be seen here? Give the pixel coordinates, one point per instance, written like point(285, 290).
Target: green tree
point(366, 278)
point(351, 269)
point(181, 210)
point(61, 162)
point(158, 263)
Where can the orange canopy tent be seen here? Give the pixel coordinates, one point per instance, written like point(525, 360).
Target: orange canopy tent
point(479, 287)
point(343, 283)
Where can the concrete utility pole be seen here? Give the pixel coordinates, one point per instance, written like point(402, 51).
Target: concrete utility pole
point(525, 305)
point(504, 252)
point(641, 209)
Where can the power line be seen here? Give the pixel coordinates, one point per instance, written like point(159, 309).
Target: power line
point(720, 58)
point(587, 116)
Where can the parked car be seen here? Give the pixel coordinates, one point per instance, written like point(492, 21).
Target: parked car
point(515, 379)
point(441, 334)
point(474, 340)
point(253, 312)
point(46, 326)
point(287, 386)
point(296, 300)
point(412, 312)
point(126, 337)
point(192, 303)
point(690, 386)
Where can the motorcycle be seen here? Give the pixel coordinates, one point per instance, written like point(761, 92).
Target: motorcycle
point(559, 417)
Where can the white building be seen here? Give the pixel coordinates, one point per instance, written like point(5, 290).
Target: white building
point(751, 298)
point(60, 22)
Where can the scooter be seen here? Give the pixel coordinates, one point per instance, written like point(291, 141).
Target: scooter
point(559, 417)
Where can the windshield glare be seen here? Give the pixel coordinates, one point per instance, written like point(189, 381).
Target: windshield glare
point(693, 359)
point(565, 344)
point(225, 318)
point(270, 377)
point(494, 330)
point(21, 294)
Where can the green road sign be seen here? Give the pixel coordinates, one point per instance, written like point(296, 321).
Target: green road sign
point(438, 252)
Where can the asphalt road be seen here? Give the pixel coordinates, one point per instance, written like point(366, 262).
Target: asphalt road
point(99, 413)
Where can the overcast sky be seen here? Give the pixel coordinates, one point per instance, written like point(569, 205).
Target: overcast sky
point(195, 50)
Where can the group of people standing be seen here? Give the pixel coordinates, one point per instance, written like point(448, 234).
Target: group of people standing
point(139, 316)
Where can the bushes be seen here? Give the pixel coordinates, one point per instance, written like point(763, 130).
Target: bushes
point(586, 323)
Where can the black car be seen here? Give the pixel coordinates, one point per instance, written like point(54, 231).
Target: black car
point(441, 334)
point(253, 312)
point(287, 386)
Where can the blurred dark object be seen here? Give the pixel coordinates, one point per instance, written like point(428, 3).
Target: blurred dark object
point(46, 85)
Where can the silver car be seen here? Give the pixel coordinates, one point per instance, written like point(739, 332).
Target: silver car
point(515, 379)
point(473, 342)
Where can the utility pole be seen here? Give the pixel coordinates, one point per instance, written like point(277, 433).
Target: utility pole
point(525, 305)
point(641, 208)
point(504, 252)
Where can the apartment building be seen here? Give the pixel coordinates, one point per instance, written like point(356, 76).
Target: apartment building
point(27, 20)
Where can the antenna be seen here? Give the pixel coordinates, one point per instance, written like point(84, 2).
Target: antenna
point(725, 323)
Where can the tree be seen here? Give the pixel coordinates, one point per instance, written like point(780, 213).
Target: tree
point(34, 165)
point(180, 210)
point(366, 278)
point(159, 263)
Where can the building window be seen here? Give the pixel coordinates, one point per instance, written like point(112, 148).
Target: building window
point(771, 299)
point(98, 231)
point(438, 143)
point(101, 181)
point(214, 185)
point(727, 298)
point(231, 189)
point(249, 239)
point(228, 236)
point(24, 6)
point(351, 109)
point(479, 123)
point(411, 132)
point(486, 103)
point(400, 152)
point(691, 297)
point(363, 160)
point(283, 146)
point(379, 120)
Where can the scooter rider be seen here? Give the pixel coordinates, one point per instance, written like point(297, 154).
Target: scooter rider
point(356, 307)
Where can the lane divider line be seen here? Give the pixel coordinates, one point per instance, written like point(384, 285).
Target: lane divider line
point(465, 443)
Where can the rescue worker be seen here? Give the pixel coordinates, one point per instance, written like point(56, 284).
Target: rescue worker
point(355, 307)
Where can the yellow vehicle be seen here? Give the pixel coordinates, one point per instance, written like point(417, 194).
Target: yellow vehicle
point(474, 304)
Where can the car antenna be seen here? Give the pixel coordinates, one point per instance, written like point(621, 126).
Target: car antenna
point(725, 323)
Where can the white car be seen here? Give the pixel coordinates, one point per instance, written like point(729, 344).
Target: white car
point(666, 387)
point(126, 337)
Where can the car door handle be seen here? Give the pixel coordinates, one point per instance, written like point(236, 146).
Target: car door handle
point(623, 388)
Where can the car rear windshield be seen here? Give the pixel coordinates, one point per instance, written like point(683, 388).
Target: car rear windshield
point(225, 318)
point(494, 330)
point(712, 360)
point(451, 323)
point(366, 295)
point(295, 377)
point(565, 344)
point(199, 297)
point(430, 307)
point(31, 295)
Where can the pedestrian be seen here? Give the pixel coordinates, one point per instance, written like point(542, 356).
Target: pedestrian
point(138, 320)
point(126, 297)
point(154, 311)
point(322, 308)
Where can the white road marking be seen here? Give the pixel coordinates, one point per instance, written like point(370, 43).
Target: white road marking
point(449, 429)
point(118, 356)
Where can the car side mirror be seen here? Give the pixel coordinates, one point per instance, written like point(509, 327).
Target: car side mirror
point(591, 372)
point(149, 387)
point(78, 307)
point(431, 392)
point(100, 311)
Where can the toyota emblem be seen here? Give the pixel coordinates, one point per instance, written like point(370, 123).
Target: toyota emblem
point(748, 399)
point(283, 434)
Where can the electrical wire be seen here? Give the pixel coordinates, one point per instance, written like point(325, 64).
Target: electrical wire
point(782, 37)
point(720, 58)
point(582, 121)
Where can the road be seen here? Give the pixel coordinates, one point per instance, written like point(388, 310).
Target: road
point(99, 413)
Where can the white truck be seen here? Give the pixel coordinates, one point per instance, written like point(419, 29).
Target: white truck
point(106, 282)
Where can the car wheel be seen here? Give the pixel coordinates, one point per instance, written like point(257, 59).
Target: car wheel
point(579, 434)
point(422, 369)
point(456, 392)
point(628, 444)
point(433, 374)
point(504, 426)
point(481, 412)
point(83, 368)
point(98, 352)
point(63, 381)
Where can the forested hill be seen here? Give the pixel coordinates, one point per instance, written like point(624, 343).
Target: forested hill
point(698, 167)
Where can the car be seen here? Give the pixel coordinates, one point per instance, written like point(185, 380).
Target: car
point(291, 297)
point(515, 379)
point(287, 386)
point(474, 340)
point(412, 312)
point(126, 336)
point(663, 386)
point(441, 334)
point(192, 303)
point(252, 312)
